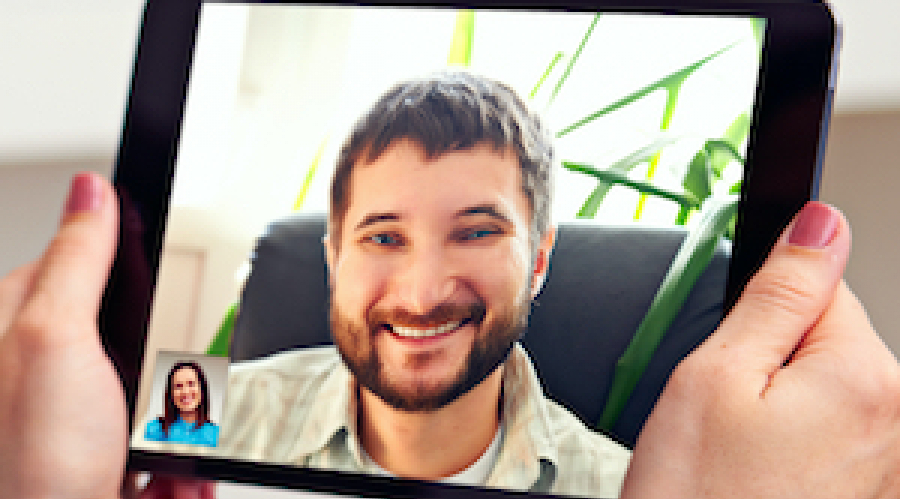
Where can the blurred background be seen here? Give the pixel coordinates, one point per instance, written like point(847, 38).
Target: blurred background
point(66, 69)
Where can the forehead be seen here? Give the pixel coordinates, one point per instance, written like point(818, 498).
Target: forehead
point(184, 373)
point(403, 180)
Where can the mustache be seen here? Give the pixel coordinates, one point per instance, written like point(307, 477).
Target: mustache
point(441, 314)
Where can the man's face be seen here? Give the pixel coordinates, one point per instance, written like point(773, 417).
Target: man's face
point(432, 280)
point(186, 390)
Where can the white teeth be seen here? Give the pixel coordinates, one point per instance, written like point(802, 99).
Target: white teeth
point(409, 332)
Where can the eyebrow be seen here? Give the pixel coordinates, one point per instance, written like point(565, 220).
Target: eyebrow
point(374, 218)
point(485, 209)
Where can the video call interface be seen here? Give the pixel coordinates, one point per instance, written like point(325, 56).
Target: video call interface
point(649, 116)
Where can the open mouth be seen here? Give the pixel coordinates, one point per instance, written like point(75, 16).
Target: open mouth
point(429, 332)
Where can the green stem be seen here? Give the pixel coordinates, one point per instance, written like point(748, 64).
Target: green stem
point(683, 214)
point(310, 174)
point(689, 263)
point(461, 46)
point(553, 63)
point(574, 58)
point(672, 92)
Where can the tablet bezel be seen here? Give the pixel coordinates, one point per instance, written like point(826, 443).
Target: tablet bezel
point(783, 160)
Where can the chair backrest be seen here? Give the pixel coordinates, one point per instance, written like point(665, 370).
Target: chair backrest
point(600, 283)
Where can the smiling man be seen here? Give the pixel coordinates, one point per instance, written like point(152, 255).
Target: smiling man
point(438, 240)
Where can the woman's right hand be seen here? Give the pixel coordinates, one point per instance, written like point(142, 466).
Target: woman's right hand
point(794, 396)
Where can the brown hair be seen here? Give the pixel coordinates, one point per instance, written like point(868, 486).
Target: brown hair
point(450, 112)
point(171, 411)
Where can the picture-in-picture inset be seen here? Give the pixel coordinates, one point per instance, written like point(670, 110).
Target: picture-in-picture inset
point(186, 403)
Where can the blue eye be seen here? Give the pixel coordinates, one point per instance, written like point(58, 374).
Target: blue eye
point(479, 233)
point(384, 239)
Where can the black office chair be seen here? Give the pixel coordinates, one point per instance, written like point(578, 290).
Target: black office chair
point(600, 283)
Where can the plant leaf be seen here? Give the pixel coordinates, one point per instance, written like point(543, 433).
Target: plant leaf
point(724, 150)
point(698, 179)
point(461, 47)
point(221, 343)
point(613, 176)
point(673, 90)
point(595, 199)
point(574, 59)
point(558, 57)
point(689, 263)
point(310, 174)
point(643, 92)
point(759, 30)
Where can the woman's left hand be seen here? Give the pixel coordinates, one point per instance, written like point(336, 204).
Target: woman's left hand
point(62, 410)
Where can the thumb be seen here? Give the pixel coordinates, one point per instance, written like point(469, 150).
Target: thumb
point(789, 293)
point(71, 275)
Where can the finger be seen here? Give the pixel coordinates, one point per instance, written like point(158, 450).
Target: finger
point(161, 487)
point(13, 290)
point(71, 275)
point(788, 294)
point(844, 325)
point(845, 343)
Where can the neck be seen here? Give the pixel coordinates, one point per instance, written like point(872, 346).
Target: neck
point(435, 444)
point(189, 417)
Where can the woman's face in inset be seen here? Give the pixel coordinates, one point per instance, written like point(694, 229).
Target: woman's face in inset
point(186, 390)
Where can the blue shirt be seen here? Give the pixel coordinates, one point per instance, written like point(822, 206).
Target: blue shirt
point(183, 433)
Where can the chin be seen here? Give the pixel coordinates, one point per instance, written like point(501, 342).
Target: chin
point(421, 396)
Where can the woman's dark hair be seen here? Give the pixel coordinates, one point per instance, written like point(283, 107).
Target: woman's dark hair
point(171, 411)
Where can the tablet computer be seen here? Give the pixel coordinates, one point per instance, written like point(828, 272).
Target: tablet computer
point(397, 250)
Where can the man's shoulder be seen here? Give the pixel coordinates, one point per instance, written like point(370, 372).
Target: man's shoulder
point(587, 460)
point(569, 429)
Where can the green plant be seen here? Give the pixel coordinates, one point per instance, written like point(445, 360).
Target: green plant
point(715, 212)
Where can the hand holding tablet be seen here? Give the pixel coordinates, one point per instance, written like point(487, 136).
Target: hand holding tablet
point(826, 427)
point(794, 396)
point(62, 412)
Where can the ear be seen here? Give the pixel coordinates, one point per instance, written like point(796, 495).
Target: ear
point(330, 257)
point(542, 261)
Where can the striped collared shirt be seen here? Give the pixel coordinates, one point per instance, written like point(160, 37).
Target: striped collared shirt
point(299, 408)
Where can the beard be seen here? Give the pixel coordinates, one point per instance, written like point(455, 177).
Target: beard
point(494, 338)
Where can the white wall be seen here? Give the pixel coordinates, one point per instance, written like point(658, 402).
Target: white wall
point(65, 74)
point(66, 67)
point(860, 176)
point(870, 59)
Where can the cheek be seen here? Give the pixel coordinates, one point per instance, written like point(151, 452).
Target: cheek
point(501, 274)
point(357, 285)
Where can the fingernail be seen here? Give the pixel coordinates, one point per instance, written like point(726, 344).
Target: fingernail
point(84, 194)
point(814, 226)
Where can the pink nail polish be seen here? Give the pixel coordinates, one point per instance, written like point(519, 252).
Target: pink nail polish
point(84, 194)
point(815, 226)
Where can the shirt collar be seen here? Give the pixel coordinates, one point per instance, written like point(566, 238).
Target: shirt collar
point(333, 412)
point(527, 454)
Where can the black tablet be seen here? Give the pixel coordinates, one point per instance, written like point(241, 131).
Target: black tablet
point(443, 250)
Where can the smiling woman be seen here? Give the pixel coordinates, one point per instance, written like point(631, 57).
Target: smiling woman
point(186, 414)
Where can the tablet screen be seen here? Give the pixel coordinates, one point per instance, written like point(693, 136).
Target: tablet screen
point(433, 268)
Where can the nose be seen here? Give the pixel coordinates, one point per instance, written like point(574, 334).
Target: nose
point(425, 279)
